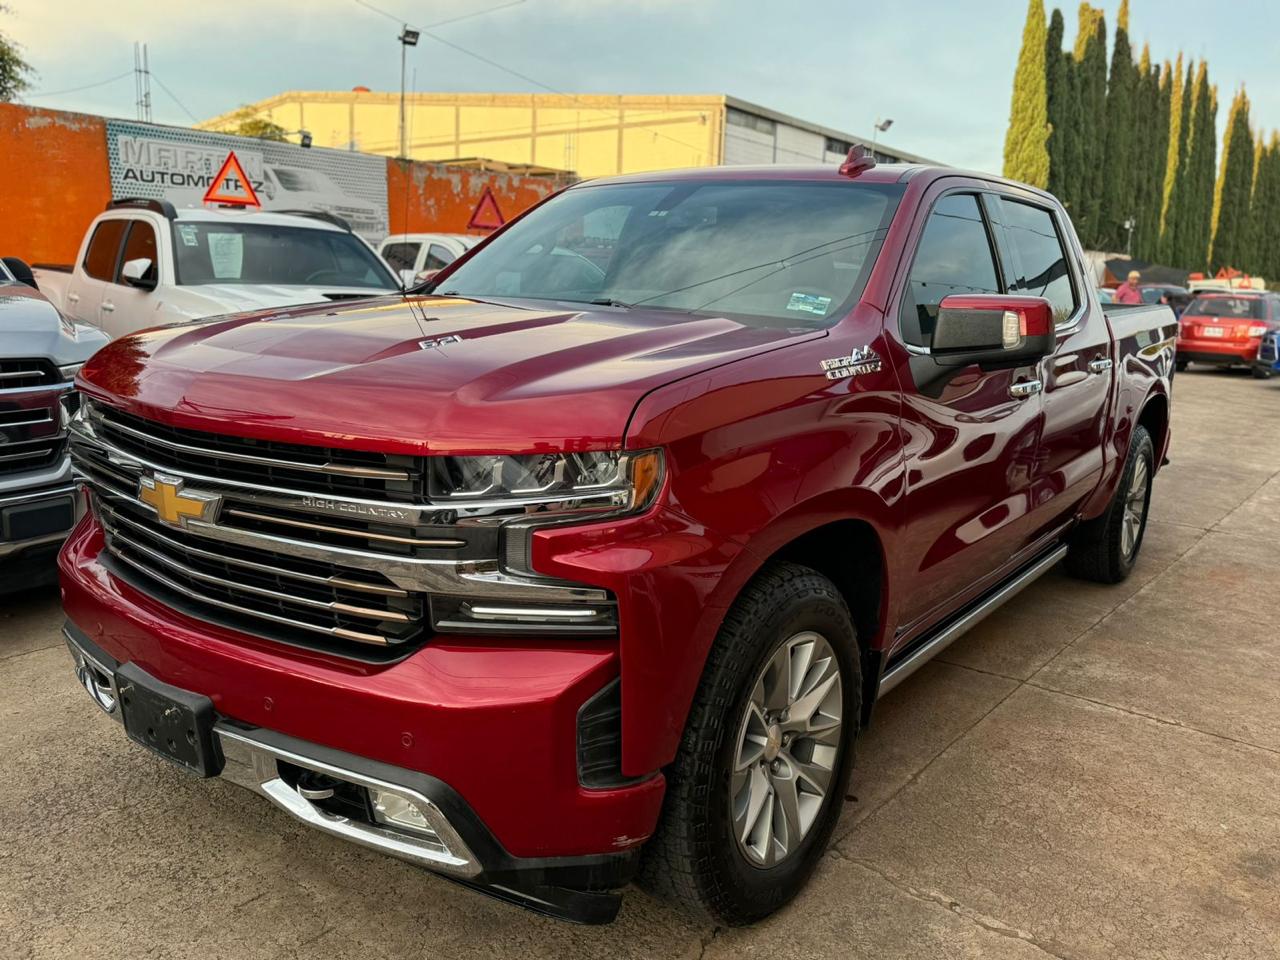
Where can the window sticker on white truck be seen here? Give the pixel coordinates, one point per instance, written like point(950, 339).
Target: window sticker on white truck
point(188, 234)
point(226, 254)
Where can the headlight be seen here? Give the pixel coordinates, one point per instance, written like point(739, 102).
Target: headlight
point(610, 480)
point(69, 370)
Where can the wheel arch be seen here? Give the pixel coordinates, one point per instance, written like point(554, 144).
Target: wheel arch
point(1154, 417)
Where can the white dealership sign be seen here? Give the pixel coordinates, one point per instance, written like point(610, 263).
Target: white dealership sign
point(179, 165)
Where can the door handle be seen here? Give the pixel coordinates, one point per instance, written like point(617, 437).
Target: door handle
point(1025, 388)
point(108, 308)
point(1100, 365)
point(73, 298)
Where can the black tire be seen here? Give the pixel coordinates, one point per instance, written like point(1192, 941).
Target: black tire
point(694, 856)
point(1180, 365)
point(1098, 550)
point(1260, 373)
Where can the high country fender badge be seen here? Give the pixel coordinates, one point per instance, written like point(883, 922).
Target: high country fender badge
point(861, 360)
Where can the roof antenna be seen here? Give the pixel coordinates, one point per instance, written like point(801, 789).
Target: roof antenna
point(858, 161)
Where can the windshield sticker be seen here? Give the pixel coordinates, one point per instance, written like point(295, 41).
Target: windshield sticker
point(808, 303)
point(187, 232)
point(226, 254)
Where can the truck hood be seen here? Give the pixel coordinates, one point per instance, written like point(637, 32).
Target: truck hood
point(421, 374)
point(210, 299)
point(30, 326)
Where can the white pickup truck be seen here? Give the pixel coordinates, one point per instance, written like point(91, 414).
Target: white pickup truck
point(143, 263)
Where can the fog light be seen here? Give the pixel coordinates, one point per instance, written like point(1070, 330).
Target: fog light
point(393, 810)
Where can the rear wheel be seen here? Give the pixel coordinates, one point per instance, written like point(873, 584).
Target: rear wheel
point(758, 783)
point(1105, 549)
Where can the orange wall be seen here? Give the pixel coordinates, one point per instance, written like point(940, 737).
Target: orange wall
point(428, 198)
point(53, 181)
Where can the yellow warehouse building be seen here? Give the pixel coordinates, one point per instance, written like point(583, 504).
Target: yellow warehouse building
point(559, 135)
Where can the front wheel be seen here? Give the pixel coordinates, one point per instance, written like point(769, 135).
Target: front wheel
point(1261, 373)
point(758, 783)
point(1105, 549)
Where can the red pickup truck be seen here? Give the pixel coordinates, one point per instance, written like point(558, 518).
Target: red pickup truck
point(590, 560)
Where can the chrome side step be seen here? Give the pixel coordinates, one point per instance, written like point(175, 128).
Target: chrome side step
point(898, 672)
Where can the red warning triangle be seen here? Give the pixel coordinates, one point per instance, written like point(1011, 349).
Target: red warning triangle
point(232, 172)
point(486, 215)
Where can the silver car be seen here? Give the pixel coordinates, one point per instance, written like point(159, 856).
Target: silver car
point(40, 352)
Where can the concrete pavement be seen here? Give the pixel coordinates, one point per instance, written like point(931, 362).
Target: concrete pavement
point(1091, 773)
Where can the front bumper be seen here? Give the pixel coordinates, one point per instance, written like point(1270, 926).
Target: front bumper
point(457, 845)
point(32, 524)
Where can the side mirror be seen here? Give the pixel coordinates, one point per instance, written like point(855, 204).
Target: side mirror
point(21, 272)
point(993, 330)
point(134, 273)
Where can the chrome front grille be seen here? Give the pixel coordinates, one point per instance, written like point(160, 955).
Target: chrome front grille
point(31, 431)
point(267, 547)
point(16, 374)
point(296, 466)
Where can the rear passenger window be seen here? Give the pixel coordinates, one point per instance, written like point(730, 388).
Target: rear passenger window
point(104, 245)
point(954, 257)
point(438, 257)
point(1040, 261)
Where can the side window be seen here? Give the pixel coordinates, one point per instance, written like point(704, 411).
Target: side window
point(104, 245)
point(401, 256)
point(954, 257)
point(438, 257)
point(141, 243)
point(1040, 266)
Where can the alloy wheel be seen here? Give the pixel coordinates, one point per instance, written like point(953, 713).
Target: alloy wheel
point(787, 749)
point(1135, 508)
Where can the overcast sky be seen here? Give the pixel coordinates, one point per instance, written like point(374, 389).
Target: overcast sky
point(941, 69)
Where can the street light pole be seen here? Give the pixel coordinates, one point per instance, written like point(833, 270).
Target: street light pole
point(880, 127)
point(408, 38)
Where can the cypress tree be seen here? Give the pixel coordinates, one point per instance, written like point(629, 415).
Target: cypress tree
point(1026, 152)
point(1057, 100)
point(1264, 211)
point(1088, 121)
point(1122, 142)
point(1202, 147)
point(1154, 89)
point(1174, 152)
point(1231, 235)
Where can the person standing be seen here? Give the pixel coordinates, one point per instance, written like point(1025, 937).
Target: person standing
point(1128, 291)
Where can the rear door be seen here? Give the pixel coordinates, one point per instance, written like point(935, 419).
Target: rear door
point(95, 271)
point(970, 437)
point(1040, 261)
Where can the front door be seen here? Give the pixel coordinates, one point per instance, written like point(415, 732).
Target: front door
point(970, 435)
point(1077, 378)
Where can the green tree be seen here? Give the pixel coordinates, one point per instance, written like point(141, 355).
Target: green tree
point(1026, 152)
point(1174, 237)
point(1057, 99)
point(1195, 214)
point(1122, 142)
point(246, 123)
point(1152, 124)
point(1086, 164)
point(15, 72)
point(1264, 211)
point(1175, 147)
point(1231, 234)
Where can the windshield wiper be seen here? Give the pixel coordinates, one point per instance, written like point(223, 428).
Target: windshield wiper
point(609, 302)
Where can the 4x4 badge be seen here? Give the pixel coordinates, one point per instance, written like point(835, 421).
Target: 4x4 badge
point(861, 360)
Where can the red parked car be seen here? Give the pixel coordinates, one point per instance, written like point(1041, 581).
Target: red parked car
point(593, 557)
point(1225, 329)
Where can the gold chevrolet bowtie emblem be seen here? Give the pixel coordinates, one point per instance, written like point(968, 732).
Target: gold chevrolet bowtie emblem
point(171, 504)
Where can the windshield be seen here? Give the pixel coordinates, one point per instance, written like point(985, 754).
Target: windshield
point(780, 250)
point(215, 252)
point(1241, 308)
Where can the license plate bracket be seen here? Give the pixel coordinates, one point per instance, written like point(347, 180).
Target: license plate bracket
point(174, 723)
